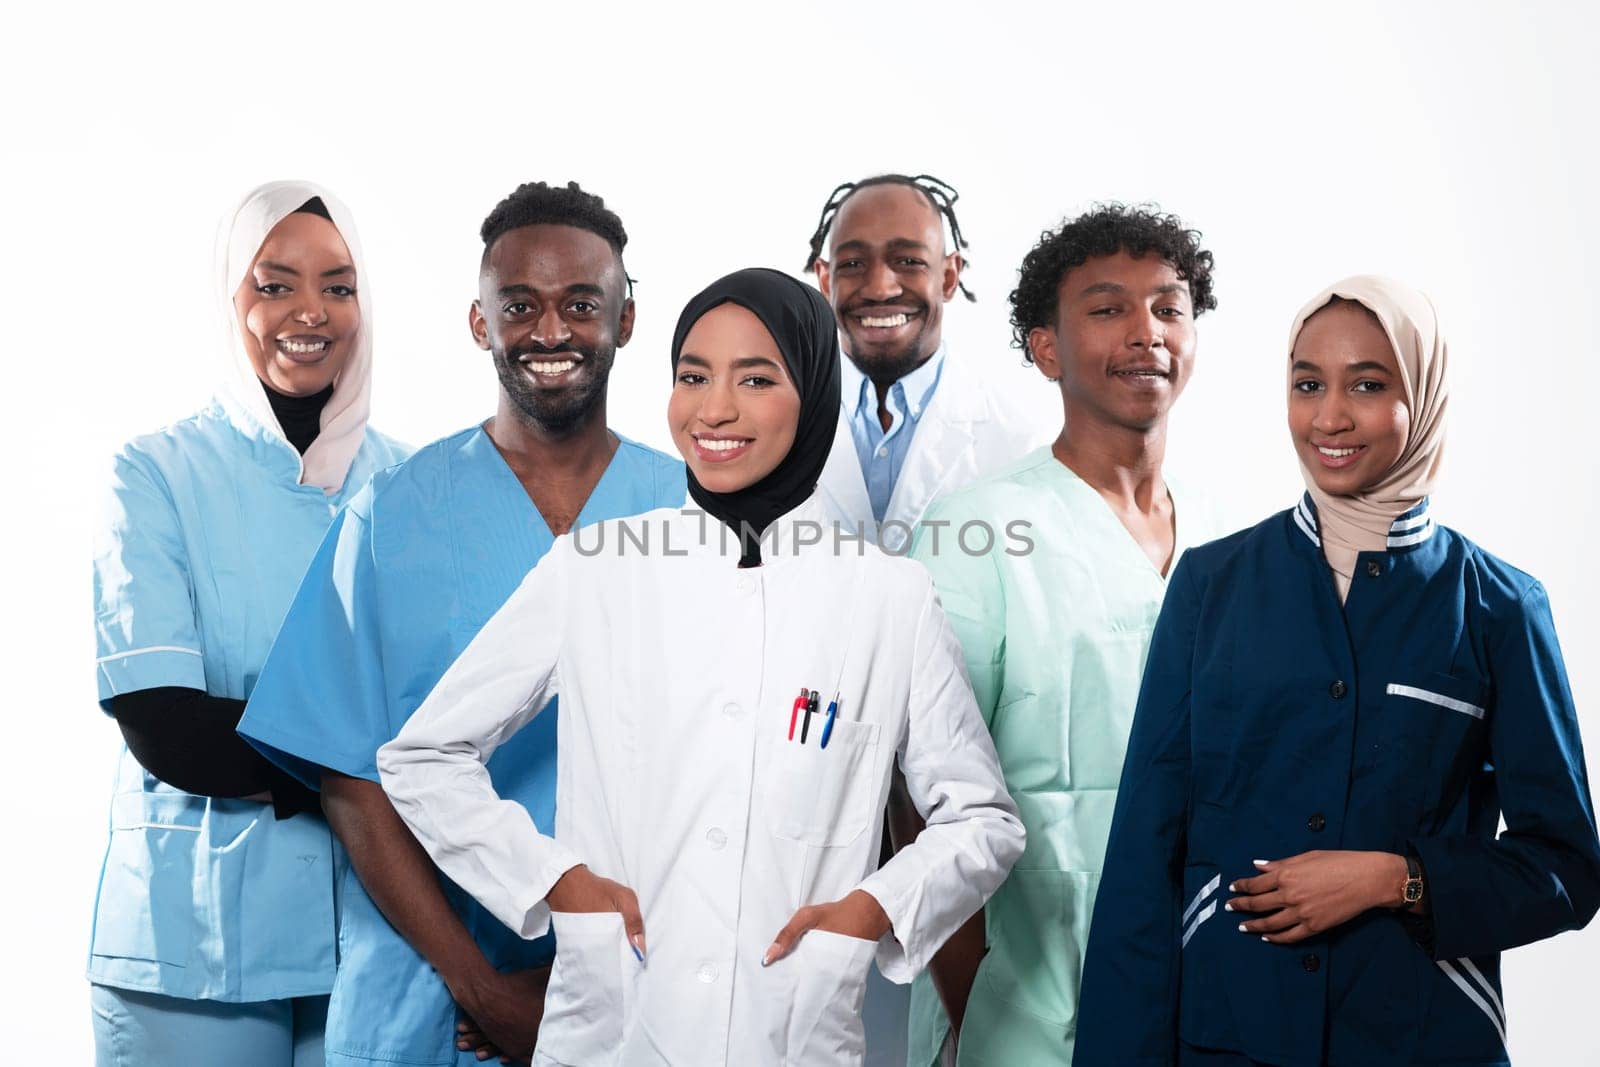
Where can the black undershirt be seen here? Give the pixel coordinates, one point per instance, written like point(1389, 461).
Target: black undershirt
point(188, 738)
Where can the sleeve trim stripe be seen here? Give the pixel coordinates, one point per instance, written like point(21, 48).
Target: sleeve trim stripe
point(146, 651)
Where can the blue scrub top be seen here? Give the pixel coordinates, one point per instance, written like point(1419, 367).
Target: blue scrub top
point(1272, 723)
point(207, 535)
point(411, 570)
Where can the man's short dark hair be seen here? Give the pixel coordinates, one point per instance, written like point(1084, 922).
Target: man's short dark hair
point(1104, 230)
point(539, 203)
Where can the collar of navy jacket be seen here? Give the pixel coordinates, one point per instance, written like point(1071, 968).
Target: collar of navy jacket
point(1405, 533)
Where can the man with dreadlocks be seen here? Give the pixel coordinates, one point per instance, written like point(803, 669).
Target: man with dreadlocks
point(915, 420)
point(410, 571)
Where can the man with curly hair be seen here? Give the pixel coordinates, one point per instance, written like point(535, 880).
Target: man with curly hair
point(1055, 637)
point(408, 574)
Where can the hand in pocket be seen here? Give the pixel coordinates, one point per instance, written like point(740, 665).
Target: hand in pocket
point(857, 915)
point(581, 891)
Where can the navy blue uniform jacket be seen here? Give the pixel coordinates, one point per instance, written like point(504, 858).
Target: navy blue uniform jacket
point(1272, 723)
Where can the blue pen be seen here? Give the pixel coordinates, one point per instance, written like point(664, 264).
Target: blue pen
point(833, 712)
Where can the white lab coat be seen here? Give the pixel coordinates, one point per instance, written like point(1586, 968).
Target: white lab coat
point(970, 428)
point(677, 672)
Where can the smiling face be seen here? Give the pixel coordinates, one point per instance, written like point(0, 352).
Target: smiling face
point(297, 308)
point(552, 309)
point(734, 409)
point(1347, 407)
point(1123, 343)
point(888, 278)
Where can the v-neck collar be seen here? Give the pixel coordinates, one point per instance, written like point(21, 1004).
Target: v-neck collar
point(1179, 544)
point(503, 472)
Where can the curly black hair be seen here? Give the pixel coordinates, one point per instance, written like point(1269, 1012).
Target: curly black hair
point(1104, 230)
point(533, 203)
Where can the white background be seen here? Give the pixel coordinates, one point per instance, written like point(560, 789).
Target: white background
point(1450, 144)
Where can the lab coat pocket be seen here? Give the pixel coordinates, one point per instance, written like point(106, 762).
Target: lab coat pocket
point(147, 907)
point(825, 796)
point(830, 983)
point(590, 997)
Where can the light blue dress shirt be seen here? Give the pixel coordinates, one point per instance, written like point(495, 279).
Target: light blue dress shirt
point(883, 452)
point(408, 574)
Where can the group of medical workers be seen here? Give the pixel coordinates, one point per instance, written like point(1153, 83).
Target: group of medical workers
point(537, 743)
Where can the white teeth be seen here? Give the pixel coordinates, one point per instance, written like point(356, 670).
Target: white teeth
point(552, 368)
point(1337, 453)
point(301, 348)
point(892, 320)
point(720, 446)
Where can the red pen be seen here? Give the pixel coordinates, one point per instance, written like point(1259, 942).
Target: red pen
point(794, 715)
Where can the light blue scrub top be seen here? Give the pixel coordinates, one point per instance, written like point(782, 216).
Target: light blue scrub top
point(411, 570)
point(883, 452)
point(206, 538)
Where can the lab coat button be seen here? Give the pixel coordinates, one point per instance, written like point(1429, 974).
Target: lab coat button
point(1337, 690)
point(1310, 962)
point(1374, 568)
point(1316, 824)
point(732, 711)
point(716, 838)
point(707, 973)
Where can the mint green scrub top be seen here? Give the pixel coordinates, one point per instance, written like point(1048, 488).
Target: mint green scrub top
point(1055, 641)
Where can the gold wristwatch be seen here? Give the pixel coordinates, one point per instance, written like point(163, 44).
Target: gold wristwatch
point(1411, 892)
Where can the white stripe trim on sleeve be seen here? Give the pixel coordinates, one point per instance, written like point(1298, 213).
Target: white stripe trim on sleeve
point(1472, 994)
point(147, 651)
point(1428, 697)
point(1200, 897)
point(1205, 913)
point(1472, 969)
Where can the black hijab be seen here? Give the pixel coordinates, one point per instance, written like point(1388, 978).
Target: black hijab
point(802, 324)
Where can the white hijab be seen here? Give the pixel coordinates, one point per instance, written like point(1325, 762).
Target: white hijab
point(1349, 525)
point(344, 418)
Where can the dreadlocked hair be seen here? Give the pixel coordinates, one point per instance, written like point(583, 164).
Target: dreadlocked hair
point(1104, 230)
point(941, 196)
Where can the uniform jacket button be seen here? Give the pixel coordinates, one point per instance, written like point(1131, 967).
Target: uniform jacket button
point(1338, 689)
point(1374, 568)
point(1310, 962)
point(1316, 823)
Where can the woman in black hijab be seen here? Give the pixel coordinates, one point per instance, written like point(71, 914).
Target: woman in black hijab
point(733, 699)
point(749, 487)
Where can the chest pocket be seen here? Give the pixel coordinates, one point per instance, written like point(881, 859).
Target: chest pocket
point(824, 796)
point(1440, 722)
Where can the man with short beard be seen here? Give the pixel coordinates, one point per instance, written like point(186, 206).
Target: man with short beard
point(915, 420)
point(408, 574)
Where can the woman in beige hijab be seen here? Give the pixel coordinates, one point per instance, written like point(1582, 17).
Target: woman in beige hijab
point(1340, 705)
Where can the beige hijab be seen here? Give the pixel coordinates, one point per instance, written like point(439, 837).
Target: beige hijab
point(1348, 525)
point(344, 418)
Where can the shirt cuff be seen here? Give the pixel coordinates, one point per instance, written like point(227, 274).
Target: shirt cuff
point(150, 668)
point(531, 912)
point(904, 951)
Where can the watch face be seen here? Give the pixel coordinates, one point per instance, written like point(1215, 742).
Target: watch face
point(1413, 891)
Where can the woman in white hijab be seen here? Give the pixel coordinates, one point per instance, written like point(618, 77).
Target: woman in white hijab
point(1340, 706)
point(214, 937)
